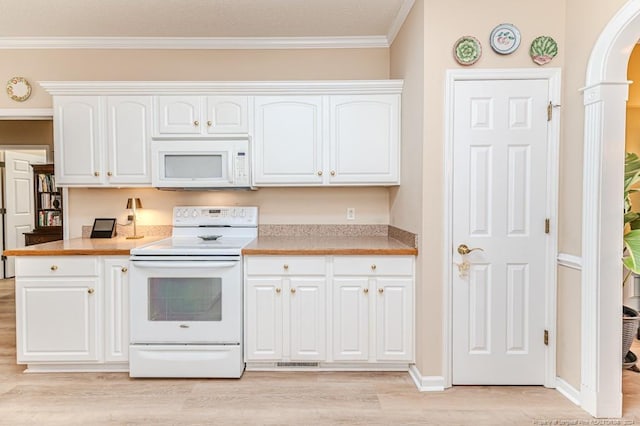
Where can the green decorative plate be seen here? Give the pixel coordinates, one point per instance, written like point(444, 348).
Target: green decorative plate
point(543, 50)
point(467, 50)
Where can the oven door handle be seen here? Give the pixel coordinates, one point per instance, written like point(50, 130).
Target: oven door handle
point(179, 264)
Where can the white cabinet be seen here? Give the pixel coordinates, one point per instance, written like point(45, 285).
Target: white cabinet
point(327, 140)
point(288, 140)
point(57, 310)
point(116, 309)
point(102, 140)
point(178, 115)
point(285, 309)
point(373, 308)
point(72, 311)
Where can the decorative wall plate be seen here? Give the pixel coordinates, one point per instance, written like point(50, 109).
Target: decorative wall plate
point(504, 39)
point(18, 89)
point(467, 50)
point(543, 50)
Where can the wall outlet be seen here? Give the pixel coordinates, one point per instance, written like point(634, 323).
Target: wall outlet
point(351, 213)
point(130, 218)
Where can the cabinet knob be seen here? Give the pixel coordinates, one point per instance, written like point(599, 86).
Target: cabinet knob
point(333, 172)
point(91, 290)
point(366, 291)
point(96, 173)
point(286, 267)
point(209, 123)
point(54, 267)
point(319, 172)
point(278, 290)
point(124, 269)
point(293, 290)
point(381, 290)
point(196, 123)
point(373, 267)
point(109, 174)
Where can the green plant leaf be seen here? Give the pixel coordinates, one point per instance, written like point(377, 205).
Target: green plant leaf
point(632, 243)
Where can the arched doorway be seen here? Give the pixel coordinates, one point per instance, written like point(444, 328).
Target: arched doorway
point(605, 96)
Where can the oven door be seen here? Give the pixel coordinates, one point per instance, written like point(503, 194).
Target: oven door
point(182, 301)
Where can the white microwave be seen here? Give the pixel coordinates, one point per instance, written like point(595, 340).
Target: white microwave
point(200, 164)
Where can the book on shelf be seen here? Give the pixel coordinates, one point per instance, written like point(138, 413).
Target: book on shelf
point(46, 183)
point(50, 201)
point(49, 218)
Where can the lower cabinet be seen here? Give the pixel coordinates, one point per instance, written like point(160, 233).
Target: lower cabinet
point(285, 313)
point(71, 309)
point(344, 309)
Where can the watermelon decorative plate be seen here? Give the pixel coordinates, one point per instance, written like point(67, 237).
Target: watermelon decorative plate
point(543, 50)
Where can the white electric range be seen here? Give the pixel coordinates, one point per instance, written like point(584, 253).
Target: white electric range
point(185, 295)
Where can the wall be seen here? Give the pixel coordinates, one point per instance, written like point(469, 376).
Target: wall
point(25, 132)
point(277, 205)
point(405, 204)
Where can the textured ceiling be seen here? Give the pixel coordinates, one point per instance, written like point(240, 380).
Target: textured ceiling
point(197, 18)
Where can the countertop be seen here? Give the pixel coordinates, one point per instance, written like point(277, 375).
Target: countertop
point(309, 245)
point(118, 246)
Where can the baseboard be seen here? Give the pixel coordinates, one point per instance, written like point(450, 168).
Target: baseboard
point(426, 383)
point(569, 392)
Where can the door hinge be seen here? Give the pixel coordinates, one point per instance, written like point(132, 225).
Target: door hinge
point(3, 257)
point(546, 337)
point(547, 225)
point(2, 164)
point(550, 108)
point(3, 210)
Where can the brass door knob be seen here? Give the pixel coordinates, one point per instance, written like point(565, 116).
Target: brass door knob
point(373, 267)
point(209, 123)
point(278, 290)
point(109, 174)
point(286, 267)
point(196, 123)
point(319, 172)
point(96, 173)
point(464, 249)
point(293, 290)
point(91, 291)
point(381, 290)
point(124, 269)
point(54, 267)
point(366, 291)
point(333, 173)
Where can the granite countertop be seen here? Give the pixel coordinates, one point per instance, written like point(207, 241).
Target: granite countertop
point(311, 245)
point(118, 246)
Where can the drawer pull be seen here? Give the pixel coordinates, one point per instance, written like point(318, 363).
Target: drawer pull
point(333, 172)
point(293, 290)
point(96, 173)
point(124, 269)
point(366, 291)
point(381, 290)
point(54, 267)
point(109, 174)
point(278, 290)
point(319, 172)
point(373, 267)
point(91, 290)
point(196, 123)
point(286, 267)
point(184, 326)
point(209, 123)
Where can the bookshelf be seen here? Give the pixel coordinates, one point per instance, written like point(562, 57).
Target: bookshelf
point(48, 206)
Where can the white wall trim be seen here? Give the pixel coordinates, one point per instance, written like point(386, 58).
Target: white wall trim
point(222, 87)
point(398, 21)
point(26, 113)
point(571, 393)
point(553, 75)
point(198, 43)
point(570, 261)
point(426, 383)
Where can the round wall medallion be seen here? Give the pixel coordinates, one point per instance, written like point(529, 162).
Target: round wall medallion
point(543, 50)
point(467, 50)
point(505, 39)
point(18, 89)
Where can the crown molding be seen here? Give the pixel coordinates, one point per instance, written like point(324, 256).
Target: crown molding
point(222, 87)
point(398, 21)
point(26, 113)
point(194, 43)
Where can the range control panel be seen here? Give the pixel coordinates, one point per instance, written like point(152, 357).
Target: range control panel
point(215, 216)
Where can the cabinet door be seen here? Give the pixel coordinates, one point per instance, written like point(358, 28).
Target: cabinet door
point(365, 139)
point(227, 114)
point(307, 318)
point(394, 319)
point(57, 319)
point(116, 305)
point(78, 140)
point(264, 319)
point(351, 319)
point(288, 140)
point(128, 127)
point(178, 115)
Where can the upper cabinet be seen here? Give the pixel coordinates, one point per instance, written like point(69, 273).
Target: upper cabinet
point(102, 140)
point(200, 115)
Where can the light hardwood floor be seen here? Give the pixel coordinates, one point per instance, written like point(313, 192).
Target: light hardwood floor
point(269, 398)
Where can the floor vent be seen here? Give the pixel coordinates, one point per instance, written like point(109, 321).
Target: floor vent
point(296, 364)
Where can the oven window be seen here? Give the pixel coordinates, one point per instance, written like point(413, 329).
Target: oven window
point(185, 299)
point(201, 166)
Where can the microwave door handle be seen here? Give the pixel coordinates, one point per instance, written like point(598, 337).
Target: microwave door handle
point(183, 264)
point(231, 173)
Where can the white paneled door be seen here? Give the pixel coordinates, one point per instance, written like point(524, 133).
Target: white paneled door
point(500, 191)
point(19, 200)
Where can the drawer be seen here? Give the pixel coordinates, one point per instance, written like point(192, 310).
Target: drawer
point(52, 266)
point(286, 265)
point(373, 265)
